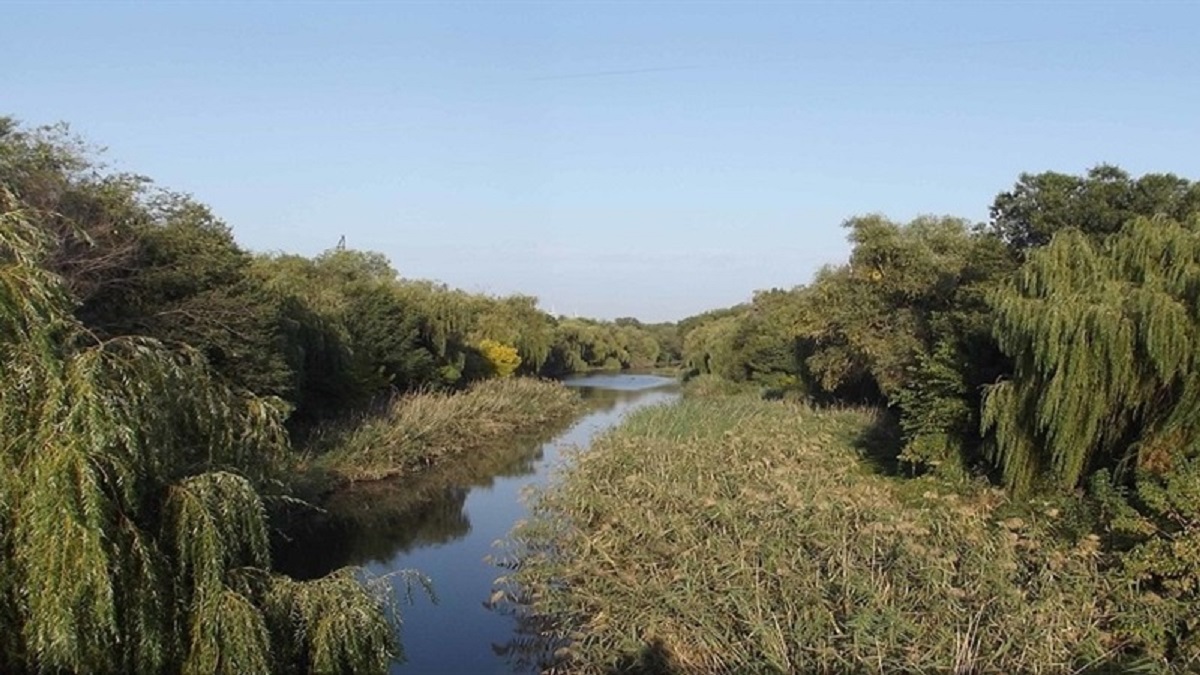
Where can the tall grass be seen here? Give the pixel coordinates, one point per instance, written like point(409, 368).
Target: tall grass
point(421, 430)
point(744, 536)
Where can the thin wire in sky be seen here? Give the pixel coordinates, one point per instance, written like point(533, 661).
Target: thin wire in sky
point(1003, 42)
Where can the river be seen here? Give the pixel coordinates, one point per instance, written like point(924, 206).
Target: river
point(445, 525)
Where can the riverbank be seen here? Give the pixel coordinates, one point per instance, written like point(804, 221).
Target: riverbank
point(419, 431)
point(732, 534)
point(444, 521)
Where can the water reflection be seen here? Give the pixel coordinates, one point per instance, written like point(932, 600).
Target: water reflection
point(373, 522)
point(444, 524)
point(619, 382)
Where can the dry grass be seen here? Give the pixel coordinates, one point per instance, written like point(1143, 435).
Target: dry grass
point(421, 430)
point(742, 536)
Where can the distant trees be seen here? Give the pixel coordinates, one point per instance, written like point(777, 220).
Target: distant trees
point(326, 334)
point(584, 344)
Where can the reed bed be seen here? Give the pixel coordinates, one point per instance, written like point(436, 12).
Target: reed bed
point(418, 431)
point(736, 535)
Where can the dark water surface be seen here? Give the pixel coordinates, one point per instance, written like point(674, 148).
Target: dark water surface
point(446, 524)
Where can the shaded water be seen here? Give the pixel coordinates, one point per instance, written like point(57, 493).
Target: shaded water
point(446, 523)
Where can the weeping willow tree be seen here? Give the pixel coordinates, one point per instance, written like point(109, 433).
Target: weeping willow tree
point(1105, 338)
point(1106, 354)
point(133, 537)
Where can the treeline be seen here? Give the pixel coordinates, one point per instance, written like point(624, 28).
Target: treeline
point(1056, 347)
point(153, 374)
point(325, 334)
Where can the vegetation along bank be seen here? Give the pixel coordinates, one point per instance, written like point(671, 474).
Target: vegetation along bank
point(986, 458)
point(167, 395)
point(970, 447)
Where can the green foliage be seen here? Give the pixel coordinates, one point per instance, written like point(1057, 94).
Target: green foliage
point(580, 345)
point(767, 345)
point(1104, 342)
point(517, 321)
point(1154, 530)
point(904, 324)
point(1106, 383)
point(350, 334)
point(1098, 204)
point(385, 341)
point(709, 348)
point(88, 214)
point(668, 343)
point(870, 322)
point(318, 627)
point(132, 534)
point(187, 282)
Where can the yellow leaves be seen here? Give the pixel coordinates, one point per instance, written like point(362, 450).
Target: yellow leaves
point(501, 358)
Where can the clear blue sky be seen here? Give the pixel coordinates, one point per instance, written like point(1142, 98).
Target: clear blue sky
point(613, 159)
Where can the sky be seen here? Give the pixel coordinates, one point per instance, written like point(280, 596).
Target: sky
point(614, 159)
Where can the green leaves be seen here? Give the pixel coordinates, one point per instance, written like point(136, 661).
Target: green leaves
point(1097, 204)
point(1106, 382)
point(132, 534)
point(1103, 337)
point(335, 624)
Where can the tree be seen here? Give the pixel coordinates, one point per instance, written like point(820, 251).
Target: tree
point(1105, 340)
point(133, 536)
point(904, 323)
point(90, 215)
point(767, 342)
point(709, 348)
point(1097, 204)
point(188, 282)
point(517, 321)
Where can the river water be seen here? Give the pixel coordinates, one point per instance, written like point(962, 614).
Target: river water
point(447, 524)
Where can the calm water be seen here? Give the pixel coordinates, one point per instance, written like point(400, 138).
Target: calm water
point(447, 524)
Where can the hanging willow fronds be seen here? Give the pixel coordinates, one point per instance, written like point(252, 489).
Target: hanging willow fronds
point(129, 516)
point(322, 624)
point(1105, 343)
